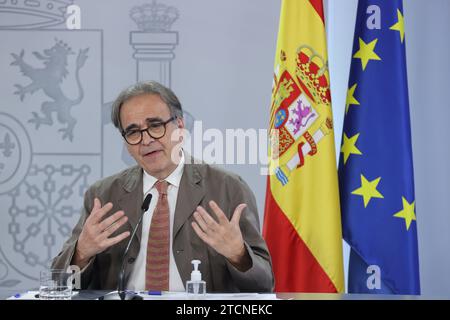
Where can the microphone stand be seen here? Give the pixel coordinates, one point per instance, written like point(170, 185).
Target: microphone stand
point(121, 293)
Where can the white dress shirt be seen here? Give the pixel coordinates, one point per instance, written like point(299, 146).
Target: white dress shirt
point(136, 281)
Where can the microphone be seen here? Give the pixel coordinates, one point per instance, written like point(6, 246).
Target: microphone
point(121, 279)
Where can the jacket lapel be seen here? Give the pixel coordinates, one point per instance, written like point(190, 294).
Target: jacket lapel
point(132, 198)
point(190, 194)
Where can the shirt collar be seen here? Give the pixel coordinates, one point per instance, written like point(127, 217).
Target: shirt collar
point(174, 178)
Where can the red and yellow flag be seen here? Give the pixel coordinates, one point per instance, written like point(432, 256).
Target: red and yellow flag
point(302, 224)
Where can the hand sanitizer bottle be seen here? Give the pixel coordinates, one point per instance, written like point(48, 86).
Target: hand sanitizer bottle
point(195, 287)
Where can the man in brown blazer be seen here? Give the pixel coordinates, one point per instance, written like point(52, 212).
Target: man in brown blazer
point(213, 214)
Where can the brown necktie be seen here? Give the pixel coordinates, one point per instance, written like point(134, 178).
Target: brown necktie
point(158, 246)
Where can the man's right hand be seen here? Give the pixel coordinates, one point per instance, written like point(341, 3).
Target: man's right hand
point(94, 237)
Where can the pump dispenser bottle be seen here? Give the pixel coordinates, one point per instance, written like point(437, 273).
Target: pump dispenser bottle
point(195, 286)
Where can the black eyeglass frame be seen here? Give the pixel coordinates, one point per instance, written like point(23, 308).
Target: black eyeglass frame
point(141, 131)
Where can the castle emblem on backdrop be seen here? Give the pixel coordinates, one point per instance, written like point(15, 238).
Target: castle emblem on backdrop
point(154, 17)
point(49, 80)
point(298, 105)
point(32, 14)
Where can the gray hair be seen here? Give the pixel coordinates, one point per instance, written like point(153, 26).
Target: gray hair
point(147, 87)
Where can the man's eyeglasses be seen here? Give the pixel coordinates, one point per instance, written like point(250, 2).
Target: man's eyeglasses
point(156, 130)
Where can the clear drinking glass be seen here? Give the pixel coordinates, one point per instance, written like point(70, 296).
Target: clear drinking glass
point(55, 284)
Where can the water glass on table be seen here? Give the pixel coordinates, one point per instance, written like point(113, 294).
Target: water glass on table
point(55, 284)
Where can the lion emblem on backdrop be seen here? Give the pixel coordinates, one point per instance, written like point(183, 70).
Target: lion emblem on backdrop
point(49, 79)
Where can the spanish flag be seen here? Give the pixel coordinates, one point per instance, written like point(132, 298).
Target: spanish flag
point(302, 224)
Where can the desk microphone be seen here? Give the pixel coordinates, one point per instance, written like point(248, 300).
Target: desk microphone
point(121, 280)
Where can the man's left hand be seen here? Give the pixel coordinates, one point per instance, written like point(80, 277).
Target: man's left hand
point(223, 236)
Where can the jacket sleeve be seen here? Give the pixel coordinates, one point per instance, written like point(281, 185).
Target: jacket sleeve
point(64, 258)
point(259, 278)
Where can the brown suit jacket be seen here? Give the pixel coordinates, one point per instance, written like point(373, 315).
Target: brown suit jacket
point(199, 184)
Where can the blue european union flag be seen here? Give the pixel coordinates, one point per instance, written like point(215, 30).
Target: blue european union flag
point(375, 168)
